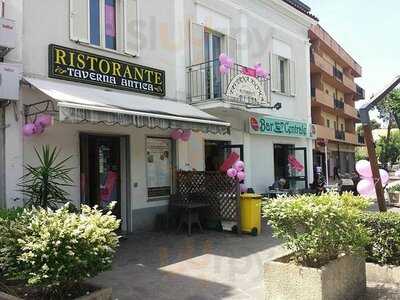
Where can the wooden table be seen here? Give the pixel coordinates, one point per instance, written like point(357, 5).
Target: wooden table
point(189, 213)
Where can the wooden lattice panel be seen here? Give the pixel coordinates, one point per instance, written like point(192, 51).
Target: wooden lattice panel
point(221, 192)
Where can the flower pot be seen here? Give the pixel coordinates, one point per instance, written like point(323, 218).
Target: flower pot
point(383, 274)
point(343, 278)
point(100, 294)
point(394, 198)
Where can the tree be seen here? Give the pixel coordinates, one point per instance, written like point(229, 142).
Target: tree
point(388, 150)
point(389, 112)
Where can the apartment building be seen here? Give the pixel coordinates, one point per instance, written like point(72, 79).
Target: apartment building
point(333, 97)
point(119, 76)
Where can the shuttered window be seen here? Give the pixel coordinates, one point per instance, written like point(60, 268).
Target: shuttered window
point(283, 75)
point(110, 24)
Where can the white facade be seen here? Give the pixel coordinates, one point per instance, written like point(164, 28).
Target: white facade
point(261, 28)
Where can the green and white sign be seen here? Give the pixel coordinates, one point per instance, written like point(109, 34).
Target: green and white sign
point(271, 126)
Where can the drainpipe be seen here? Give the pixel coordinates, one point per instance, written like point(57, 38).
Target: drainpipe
point(369, 141)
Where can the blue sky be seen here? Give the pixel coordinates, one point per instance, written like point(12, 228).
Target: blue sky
point(368, 30)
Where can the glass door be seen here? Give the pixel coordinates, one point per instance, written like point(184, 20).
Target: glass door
point(212, 51)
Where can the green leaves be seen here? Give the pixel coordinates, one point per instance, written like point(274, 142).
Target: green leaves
point(56, 249)
point(318, 228)
point(44, 185)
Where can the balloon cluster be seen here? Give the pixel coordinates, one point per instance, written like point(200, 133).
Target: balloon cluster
point(180, 134)
point(38, 126)
point(237, 171)
point(366, 186)
point(261, 72)
point(225, 63)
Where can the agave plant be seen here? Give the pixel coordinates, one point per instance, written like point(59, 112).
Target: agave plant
point(44, 184)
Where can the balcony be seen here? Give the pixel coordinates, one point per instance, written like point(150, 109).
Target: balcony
point(317, 33)
point(321, 98)
point(206, 85)
point(360, 92)
point(340, 135)
point(318, 62)
point(350, 111)
point(8, 36)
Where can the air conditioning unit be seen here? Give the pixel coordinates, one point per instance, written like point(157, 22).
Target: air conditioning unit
point(8, 36)
point(10, 76)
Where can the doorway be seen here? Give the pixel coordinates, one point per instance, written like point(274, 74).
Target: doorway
point(104, 163)
point(216, 152)
point(212, 51)
point(290, 163)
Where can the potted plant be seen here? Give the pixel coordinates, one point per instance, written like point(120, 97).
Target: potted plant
point(394, 194)
point(383, 248)
point(326, 243)
point(46, 254)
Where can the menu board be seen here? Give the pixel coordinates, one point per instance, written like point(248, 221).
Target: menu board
point(159, 167)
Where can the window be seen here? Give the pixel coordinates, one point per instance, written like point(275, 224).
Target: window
point(109, 24)
point(328, 123)
point(335, 125)
point(342, 127)
point(283, 75)
point(212, 51)
point(159, 167)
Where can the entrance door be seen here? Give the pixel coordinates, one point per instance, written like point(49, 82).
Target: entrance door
point(290, 163)
point(216, 152)
point(101, 171)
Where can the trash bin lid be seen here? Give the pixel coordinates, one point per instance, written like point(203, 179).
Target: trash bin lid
point(247, 195)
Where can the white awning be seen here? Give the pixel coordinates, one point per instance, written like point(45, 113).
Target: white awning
point(80, 103)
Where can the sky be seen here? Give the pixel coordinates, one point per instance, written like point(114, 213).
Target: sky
point(368, 31)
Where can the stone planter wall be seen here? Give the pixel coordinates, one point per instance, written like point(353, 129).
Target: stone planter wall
point(102, 294)
point(343, 278)
point(383, 274)
point(394, 198)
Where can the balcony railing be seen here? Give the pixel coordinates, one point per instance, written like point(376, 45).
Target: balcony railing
point(360, 92)
point(340, 135)
point(337, 73)
point(206, 84)
point(338, 104)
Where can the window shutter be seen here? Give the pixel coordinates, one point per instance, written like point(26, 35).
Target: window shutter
point(233, 49)
point(131, 27)
point(292, 78)
point(196, 44)
point(275, 73)
point(79, 20)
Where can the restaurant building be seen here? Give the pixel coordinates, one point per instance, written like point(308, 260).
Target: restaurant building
point(119, 76)
point(333, 97)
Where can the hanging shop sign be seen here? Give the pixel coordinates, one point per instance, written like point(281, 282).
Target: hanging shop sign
point(80, 66)
point(247, 87)
point(279, 127)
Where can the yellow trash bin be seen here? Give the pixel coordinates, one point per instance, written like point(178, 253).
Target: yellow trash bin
point(250, 213)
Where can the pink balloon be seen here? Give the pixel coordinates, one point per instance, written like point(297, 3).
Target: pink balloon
point(238, 165)
point(229, 62)
point(241, 175)
point(243, 188)
point(176, 134)
point(44, 120)
point(39, 128)
point(223, 69)
point(363, 168)
point(231, 173)
point(384, 176)
point(366, 187)
point(186, 135)
point(29, 129)
point(223, 59)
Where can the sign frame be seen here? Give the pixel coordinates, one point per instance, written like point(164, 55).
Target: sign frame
point(63, 71)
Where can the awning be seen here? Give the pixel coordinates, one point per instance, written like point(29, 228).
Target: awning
point(82, 103)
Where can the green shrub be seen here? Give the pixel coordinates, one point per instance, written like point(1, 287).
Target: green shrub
point(384, 232)
point(318, 229)
point(394, 188)
point(10, 214)
point(56, 250)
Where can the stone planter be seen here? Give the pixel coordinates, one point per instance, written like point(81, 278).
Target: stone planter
point(101, 294)
point(394, 198)
point(383, 274)
point(343, 278)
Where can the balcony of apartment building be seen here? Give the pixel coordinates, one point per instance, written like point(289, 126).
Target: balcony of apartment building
point(331, 74)
point(322, 40)
point(360, 93)
point(333, 105)
point(209, 89)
